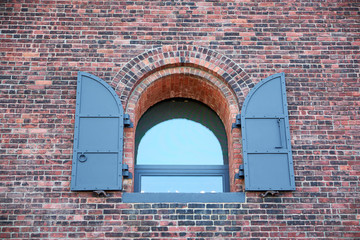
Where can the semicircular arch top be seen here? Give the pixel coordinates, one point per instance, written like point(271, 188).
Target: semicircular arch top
point(164, 57)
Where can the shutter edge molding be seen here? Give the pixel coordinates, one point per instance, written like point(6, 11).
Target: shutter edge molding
point(102, 161)
point(260, 173)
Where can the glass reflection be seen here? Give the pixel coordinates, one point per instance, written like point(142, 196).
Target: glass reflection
point(179, 142)
point(181, 184)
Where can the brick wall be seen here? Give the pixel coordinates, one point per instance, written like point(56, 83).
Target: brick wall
point(45, 43)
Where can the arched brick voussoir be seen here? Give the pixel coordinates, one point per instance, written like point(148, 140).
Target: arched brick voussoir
point(164, 57)
point(225, 90)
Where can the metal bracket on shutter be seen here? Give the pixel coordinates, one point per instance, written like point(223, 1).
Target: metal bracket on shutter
point(241, 172)
point(273, 193)
point(101, 193)
point(82, 157)
point(125, 171)
point(127, 121)
point(237, 123)
point(280, 134)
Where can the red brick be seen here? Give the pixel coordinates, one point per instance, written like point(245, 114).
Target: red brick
point(233, 43)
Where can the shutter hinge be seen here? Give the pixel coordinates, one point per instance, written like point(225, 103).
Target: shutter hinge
point(127, 121)
point(237, 123)
point(241, 172)
point(125, 171)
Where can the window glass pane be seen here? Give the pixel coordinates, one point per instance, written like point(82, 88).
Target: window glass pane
point(180, 109)
point(182, 184)
point(179, 142)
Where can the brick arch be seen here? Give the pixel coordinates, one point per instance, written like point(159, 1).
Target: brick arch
point(185, 86)
point(187, 82)
point(172, 56)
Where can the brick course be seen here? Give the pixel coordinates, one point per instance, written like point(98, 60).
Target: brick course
point(45, 43)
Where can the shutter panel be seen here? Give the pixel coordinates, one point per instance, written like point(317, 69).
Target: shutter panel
point(268, 163)
point(98, 136)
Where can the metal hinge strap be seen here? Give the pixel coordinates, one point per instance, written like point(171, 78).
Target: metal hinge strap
point(125, 171)
point(127, 121)
point(241, 172)
point(237, 123)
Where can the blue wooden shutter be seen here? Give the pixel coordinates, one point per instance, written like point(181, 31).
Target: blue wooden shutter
point(98, 137)
point(268, 163)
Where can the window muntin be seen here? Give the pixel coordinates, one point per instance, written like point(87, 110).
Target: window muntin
point(217, 173)
point(181, 139)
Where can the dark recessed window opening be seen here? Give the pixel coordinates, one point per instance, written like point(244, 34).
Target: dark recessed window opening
point(181, 146)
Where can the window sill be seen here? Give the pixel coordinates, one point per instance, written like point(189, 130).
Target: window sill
point(238, 197)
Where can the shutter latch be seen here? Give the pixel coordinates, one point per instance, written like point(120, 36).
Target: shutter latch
point(127, 121)
point(237, 123)
point(241, 172)
point(125, 171)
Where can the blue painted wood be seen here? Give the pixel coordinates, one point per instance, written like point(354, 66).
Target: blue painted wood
point(98, 136)
point(268, 163)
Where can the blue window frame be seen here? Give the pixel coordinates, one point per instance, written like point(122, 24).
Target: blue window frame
point(182, 178)
point(181, 146)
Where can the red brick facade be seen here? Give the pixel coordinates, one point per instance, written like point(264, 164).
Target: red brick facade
point(211, 51)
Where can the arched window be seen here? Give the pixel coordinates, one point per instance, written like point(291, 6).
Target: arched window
point(181, 146)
